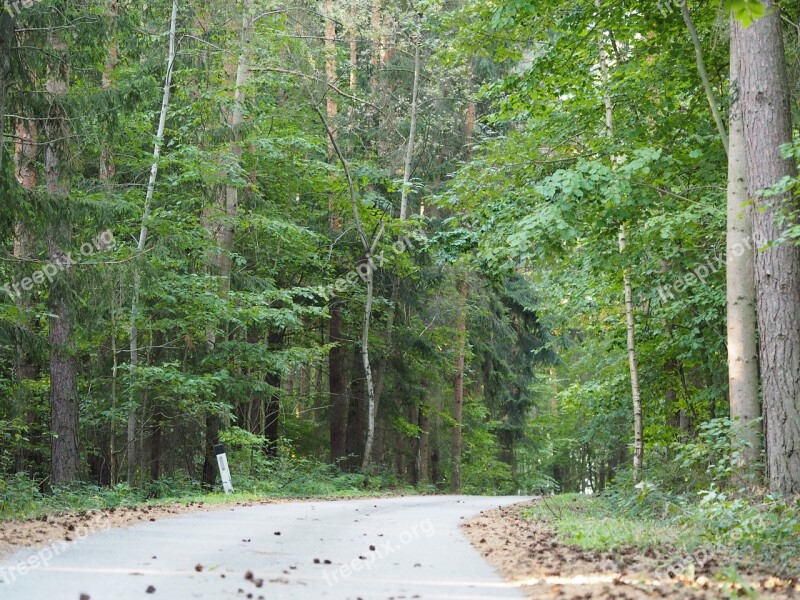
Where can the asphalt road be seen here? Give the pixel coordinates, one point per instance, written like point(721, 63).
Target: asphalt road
point(397, 548)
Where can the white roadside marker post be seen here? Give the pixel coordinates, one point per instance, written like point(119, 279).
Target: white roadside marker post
point(224, 472)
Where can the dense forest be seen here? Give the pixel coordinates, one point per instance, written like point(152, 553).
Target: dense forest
point(498, 247)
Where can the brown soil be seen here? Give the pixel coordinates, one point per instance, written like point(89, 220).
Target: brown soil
point(529, 554)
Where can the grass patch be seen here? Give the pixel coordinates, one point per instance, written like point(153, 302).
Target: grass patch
point(593, 524)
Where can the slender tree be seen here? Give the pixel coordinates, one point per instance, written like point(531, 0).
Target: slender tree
point(741, 287)
point(337, 387)
point(458, 382)
point(143, 231)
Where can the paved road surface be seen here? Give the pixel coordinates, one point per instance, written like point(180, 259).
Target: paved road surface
point(418, 553)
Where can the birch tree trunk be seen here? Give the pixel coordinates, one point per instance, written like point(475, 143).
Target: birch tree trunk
point(766, 112)
point(633, 363)
point(630, 318)
point(741, 288)
point(137, 281)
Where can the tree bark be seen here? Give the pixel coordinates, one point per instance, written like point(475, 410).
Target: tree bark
point(26, 365)
point(272, 411)
point(336, 384)
point(458, 383)
point(766, 110)
point(741, 288)
point(638, 432)
point(356, 425)
point(65, 462)
point(336, 357)
point(6, 37)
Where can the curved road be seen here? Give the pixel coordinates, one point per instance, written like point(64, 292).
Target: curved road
point(394, 548)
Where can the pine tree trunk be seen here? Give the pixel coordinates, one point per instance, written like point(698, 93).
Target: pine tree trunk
point(26, 365)
point(741, 288)
point(6, 37)
point(766, 110)
point(336, 357)
point(65, 462)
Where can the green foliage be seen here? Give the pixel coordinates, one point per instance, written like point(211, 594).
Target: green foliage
point(595, 524)
point(769, 529)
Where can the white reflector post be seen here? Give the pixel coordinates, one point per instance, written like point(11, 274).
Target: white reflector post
point(225, 474)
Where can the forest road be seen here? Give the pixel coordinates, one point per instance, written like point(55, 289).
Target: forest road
point(374, 549)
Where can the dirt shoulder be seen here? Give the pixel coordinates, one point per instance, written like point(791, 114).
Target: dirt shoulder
point(15, 534)
point(68, 527)
point(528, 552)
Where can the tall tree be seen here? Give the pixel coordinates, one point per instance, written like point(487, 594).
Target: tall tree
point(766, 109)
point(142, 242)
point(337, 387)
point(6, 35)
point(458, 382)
point(65, 460)
point(741, 287)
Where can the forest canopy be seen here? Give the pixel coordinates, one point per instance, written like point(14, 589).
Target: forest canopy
point(491, 247)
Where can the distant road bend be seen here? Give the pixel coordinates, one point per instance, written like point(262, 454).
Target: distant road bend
point(408, 547)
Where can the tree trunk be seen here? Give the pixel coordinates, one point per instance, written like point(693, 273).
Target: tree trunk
point(6, 37)
point(272, 411)
point(458, 384)
point(336, 384)
point(741, 288)
point(65, 464)
point(272, 416)
point(210, 457)
point(638, 439)
point(422, 467)
point(407, 164)
point(638, 433)
point(356, 426)
point(26, 365)
point(367, 368)
point(766, 110)
point(336, 357)
point(151, 186)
